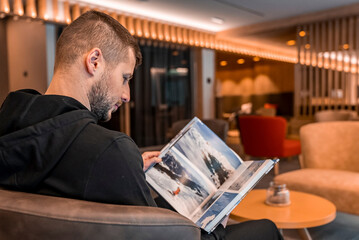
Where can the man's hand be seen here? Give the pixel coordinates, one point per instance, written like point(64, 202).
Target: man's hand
point(150, 158)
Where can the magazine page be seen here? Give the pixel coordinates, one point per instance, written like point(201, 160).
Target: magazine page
point(228, 197)
point(192, 169)
point(208, 153)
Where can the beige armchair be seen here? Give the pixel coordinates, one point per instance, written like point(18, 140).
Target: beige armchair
point(329, 164)
point(33, 216)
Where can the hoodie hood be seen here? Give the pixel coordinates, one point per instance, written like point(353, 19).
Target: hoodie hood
point(35, 131)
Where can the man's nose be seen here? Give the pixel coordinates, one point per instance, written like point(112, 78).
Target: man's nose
point(125, 97)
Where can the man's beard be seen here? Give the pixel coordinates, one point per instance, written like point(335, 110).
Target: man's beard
point(100, 102)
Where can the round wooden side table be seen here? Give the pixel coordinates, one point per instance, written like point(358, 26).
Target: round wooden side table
point(306, 210)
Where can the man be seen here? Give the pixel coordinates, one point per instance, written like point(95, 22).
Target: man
point(51, 144)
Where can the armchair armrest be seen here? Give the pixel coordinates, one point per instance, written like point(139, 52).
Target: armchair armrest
point(33, 216)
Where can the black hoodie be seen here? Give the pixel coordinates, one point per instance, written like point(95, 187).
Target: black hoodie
point(51, 144)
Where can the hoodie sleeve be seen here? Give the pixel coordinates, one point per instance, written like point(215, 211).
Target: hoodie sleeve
point(117, 176)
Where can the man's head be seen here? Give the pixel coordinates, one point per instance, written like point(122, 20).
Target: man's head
point(108, 53)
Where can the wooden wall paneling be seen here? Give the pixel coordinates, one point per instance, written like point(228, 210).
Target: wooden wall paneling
point(331, 61)
point(317, 49)
point(298, 76)
point(323, 70)
point(336, 73)
point(305, 77)
point(344, 54)
point(357, 62)
point(350, 55)
point(311, 72)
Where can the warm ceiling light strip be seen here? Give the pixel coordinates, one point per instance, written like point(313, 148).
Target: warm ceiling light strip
point(76, 12)
point(185, 35)
point(114, 16)
point(160, 31)
point(67, 13)
point(191, 37)
point(130, 25)
point(138, 31)
point(55, 10)
point(179, 35)
point(153, 30)
point(18, 7)
point(150, 29)
point(146, 28)
point(4, 6)
point(122, 20)
point(42, 10)
point(196, 39)
point(85, 9)
point(173, 33)
point(31, 8)
point(166, 32)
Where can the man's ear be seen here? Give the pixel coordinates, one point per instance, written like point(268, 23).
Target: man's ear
point(94, 60)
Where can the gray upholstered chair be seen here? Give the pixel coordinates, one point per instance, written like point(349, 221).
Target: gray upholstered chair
point(32, 216)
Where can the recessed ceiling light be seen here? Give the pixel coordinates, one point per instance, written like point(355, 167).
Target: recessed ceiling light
point(240, 61)
point(291, 43)
point(256, 59)
point(223, 63)
point(302, 33)
point(217, 20)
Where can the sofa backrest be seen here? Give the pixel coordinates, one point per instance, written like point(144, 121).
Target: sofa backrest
point(335, 115)
point(331, 145)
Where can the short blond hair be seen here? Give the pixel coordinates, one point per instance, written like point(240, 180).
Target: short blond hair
point(95, 29)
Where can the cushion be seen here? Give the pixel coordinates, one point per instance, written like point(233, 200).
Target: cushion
point(340, 187)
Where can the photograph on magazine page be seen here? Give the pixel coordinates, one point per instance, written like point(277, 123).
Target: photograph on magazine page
point(201, 146)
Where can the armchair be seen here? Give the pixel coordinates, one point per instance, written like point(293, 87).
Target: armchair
point(329, 164)
point(264, 136)
point(33, 216)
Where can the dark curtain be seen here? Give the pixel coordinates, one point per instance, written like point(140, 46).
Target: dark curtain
point(160, 92)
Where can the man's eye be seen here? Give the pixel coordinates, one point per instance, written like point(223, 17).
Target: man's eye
point(126, 79)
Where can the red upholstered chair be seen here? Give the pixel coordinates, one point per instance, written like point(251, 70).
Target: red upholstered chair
point(263, 136)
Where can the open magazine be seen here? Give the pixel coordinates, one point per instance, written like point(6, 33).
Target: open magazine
point(201, 177)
